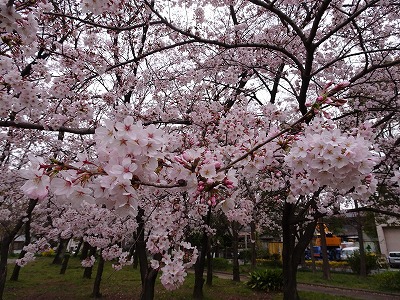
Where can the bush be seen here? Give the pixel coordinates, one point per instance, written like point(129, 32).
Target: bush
point(263, 254)
point(354, 262)
point(388, 280)
point(245, 255)
point(221, 264)
point(270, 280)
point(274, 261)
point(332, 264)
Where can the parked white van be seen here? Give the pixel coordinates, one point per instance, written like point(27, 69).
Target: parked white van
point(347, 252)
point(394, 259)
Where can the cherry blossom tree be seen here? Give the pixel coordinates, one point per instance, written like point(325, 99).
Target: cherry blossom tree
point(171, 106)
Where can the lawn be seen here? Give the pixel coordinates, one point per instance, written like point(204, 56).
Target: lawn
point(41, 280)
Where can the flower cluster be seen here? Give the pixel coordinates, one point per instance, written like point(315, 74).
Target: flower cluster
point(88, 262)
point(212, 185)
point(324, 156)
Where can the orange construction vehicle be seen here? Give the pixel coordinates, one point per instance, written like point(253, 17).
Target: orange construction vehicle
point(333, 243)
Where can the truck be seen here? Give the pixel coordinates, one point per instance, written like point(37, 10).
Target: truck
point(333, 243)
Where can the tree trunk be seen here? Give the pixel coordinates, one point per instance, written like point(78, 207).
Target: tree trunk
point(148, 285)
point(85, 251)
point(135, 260)
point(148, 275)
point(293, 249)
point(4, 248)
point(64, 263)
point(141, 247)
point(253, 245)
point(17, 268)
point(199, 265)
point(61, 249)
point(363, 262)
point(313, 267)
point(235, 249)
point(97, 281)
point(87, 273)
point(288, 259)
point(324, 252)
point(209, 263)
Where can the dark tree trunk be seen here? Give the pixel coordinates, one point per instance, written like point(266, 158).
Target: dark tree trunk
point(313, 267)
point(363, 262)
point(97, 281)
point(64, 263)
point(148, 275)
point(141, 247)
point(17, 268)
point(235, 249)
point(253, 245)
point(324, 252)
point(293, 249)
point(87, 273)
point(199, 265)
point(135, 260)
point(149, 284)
point(85, 251)
point(61, 249)
point(209, 264)
point(5, 246)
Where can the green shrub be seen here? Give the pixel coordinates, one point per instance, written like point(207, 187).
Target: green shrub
point(269, 263)
point(221, 264)
point(245, 255)
point(270, 280)
point(388, 280)
point(263, 254)
point(354, 262)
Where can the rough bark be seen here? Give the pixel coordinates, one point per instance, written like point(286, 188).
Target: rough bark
point(97, 281)
point(313, 267)
point(87, 272)
point(17, 268)
point(253, 245)
point(4, 248)
point(61, 249)
point(148, 275)
point(64, 264)
point(363, 262)
point(200, 263)
point(5, 245)
point(293, 249)
point(289, 261)
point(148, 285)
point(209, 264)
point(235, 249)
point(326, 274)
point(85, 251)
point(141, 246)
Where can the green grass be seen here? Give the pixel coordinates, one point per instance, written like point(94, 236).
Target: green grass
point(41, 280)
point(339, 279)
